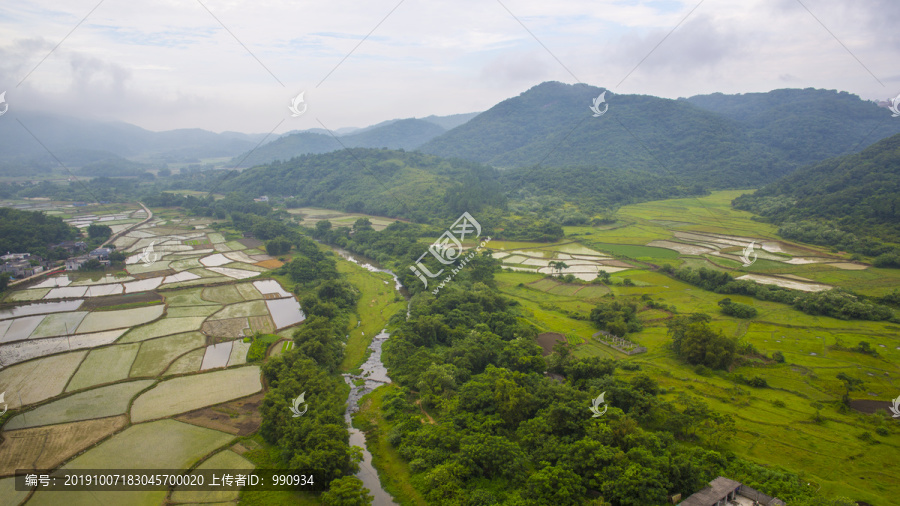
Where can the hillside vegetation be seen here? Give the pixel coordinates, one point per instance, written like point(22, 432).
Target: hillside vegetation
point(699, 140)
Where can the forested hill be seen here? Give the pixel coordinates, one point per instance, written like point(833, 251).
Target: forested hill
point(376, 181)
point(551, 124)
point(804, 126)
point(400, 134)
point(859, 193)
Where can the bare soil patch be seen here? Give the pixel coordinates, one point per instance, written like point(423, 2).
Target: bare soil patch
point(250, 242)
point(548, 339)
point(869, 406)
point(116, 300)
point(262, 324)
point(231, 327)
point(47, 447)
point(153, 274)
point(240, 417)
point(270, 264)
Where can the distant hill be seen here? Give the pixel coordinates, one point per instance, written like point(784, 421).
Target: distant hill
point(698, 140)
point(393, 134)
point(376, 181)
point(804, 126)
point(859, 193)
point(77, 141)
point(452, 121)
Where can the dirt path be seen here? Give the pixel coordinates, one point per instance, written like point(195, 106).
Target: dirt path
point(130, 228)
point(419, 403)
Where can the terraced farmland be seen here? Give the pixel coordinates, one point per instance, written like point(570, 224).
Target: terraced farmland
point(85, 357)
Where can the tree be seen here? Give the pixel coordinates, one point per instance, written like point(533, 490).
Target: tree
point(696, 343)
point(437, 380)
point(737, 309)
point(96, 231)
point(347, 491)
point(558, 266)
point(555, 485)
point(851, 384)
point(322, 229)
point(278, 246)
point(4, 280)
point(91, 265)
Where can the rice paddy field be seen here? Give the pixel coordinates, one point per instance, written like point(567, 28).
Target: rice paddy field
point(796, 423)
point(95, 368)
point(313, 215)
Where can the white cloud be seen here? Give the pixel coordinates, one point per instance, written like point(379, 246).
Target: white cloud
point(170, 64)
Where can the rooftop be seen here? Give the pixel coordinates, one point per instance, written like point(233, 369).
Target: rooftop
point(717, 489)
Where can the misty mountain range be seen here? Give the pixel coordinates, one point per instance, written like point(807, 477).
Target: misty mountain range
point(717, 140)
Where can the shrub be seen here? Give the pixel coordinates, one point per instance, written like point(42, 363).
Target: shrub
point(778, 357)
point(778, 403)
point(702, 370)
point(737, 309)
point(757, 382)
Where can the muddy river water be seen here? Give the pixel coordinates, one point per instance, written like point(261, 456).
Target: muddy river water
point(373, 375)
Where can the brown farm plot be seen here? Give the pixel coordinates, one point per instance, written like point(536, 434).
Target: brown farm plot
point(48, 447)
point(548, 339)
point(240, 417)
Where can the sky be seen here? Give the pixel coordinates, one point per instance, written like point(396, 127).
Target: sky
point(236, 65)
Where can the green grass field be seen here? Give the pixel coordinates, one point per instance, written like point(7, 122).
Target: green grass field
point(378, 301)
point(828, 453)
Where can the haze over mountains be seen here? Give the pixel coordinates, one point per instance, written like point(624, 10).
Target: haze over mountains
point(717, 140)
point(405, 134)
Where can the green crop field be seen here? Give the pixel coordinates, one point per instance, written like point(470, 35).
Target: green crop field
point(96, 403)
point(165, 444)
point(227, 294)
point(164, 327)
point(832, 453)
point(242, 309)
point(156, 354)
point(187, 393)
point(104, 365)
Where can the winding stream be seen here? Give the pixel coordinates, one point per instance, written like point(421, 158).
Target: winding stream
point(374, 374)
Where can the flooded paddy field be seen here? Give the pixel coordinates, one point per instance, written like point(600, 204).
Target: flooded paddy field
point(87, 356)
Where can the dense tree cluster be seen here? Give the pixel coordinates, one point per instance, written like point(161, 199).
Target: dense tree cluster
point(31, 232)
point(695, 342)
point(382, 182)
point(98, 231)
point(505, 433)
point(318, 441)
point(837, 302)
point(822, 203)
point(616, 316)
point(737, 309)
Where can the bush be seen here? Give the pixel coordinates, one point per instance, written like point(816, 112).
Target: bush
point(757, 382)
point(737, 309)
point(778, 403)
point(778, 357)
point(259, 346)
point(702, 370)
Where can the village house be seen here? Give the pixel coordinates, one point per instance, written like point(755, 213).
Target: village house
point(20, 265)
point(75, 263)
point(726, 492)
